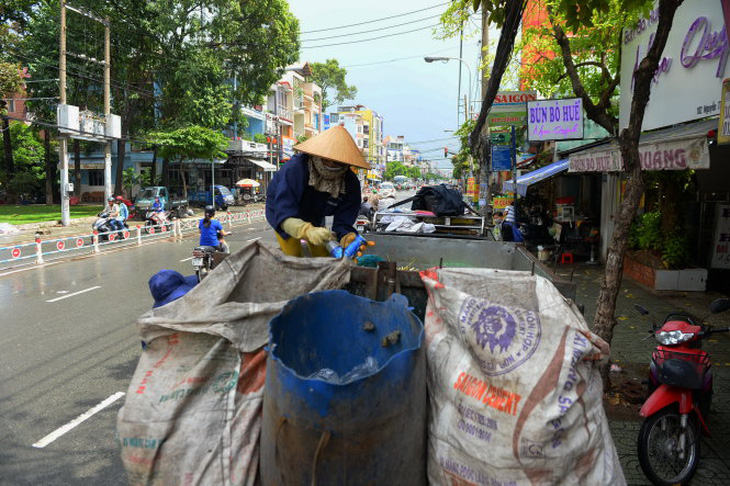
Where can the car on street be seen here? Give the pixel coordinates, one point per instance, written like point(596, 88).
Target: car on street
point(386, 189)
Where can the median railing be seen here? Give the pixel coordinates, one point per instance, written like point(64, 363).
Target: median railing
point(43, 250)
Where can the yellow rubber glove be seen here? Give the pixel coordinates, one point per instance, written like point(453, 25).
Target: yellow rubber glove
point(316, 235)
point(347, 239)
point(301, 229)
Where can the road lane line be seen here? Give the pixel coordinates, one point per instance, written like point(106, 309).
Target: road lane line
point(186, 259)
point(253, 239)
point(77, 421)
point(75, 293)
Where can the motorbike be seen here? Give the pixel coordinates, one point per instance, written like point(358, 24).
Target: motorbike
point(362, 224)
point(680, 386)
point(206, 258)
point(103, 226)
point(152, 223)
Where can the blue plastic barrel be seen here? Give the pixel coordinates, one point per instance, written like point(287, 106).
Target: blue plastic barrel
point(345, 397)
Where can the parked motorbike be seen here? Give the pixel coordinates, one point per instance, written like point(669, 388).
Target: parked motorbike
point(680, 385)
point(206, 258)
point(362, 224)
point(152, 223)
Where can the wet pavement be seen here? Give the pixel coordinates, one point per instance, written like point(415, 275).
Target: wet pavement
point(633, 353)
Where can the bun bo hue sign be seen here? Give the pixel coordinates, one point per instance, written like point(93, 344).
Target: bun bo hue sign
point(555, 120)
point(669, 155)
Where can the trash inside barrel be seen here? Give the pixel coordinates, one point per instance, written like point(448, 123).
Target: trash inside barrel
point(345, 399)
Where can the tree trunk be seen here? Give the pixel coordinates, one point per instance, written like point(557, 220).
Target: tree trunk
point(629, 144)
point(49, 168)
point(165, 172)
point(77, 168)
point(7, 148)
point(153, 170)
point(121, 153)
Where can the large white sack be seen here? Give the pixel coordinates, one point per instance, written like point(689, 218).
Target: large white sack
point(514, 387)
point(192, 413)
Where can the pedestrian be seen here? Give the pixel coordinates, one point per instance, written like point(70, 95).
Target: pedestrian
point(498, 218)
point(212, 232)
point(317, 182)
point(112, 210)
point(366, 209)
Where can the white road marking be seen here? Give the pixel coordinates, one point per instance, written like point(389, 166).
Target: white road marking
point(77, 421)
point(186, 259)
point(75, 293)
point(36, 267)
point(253, 239)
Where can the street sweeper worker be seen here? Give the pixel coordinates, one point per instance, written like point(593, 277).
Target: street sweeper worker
point(317, 182)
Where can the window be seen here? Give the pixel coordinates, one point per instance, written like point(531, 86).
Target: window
point(11, 105)
point(96, 177)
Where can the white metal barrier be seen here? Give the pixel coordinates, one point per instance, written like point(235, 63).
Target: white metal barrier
point(39, 251)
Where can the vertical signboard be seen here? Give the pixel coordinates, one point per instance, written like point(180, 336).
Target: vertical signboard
point(723, 131)
point(721, 242)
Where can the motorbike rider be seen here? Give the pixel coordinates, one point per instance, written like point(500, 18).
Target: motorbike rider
point(123, 211)
point(158, 210)
point(212, 232)
point(112, 209)
point(316, 182)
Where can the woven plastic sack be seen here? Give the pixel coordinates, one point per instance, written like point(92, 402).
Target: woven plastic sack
point(192, 414)
point(514, 387)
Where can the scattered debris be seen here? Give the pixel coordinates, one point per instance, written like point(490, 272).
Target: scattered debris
point(390, 339)
point(616, 368)
point(368, 326)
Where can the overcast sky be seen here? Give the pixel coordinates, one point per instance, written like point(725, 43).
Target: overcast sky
point(416, 99)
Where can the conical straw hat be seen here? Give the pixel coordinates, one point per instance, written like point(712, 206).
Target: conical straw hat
point(334, 144)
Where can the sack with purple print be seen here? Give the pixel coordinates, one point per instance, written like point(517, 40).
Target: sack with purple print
point(513, 383)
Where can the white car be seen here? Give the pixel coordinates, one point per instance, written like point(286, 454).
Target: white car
point(386, 189)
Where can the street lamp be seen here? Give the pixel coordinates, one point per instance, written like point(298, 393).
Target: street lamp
point(447, 59)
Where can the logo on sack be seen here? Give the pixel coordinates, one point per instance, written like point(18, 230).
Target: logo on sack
point(507, 335)
point(532, 449)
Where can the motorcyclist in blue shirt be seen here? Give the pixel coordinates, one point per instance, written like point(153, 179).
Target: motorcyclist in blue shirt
point(212, 232)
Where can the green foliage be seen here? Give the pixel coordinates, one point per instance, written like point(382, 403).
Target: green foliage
point(329, 76)
point(192, 142)
point(10, 82)
point(646, 234)
point(28, 155)
point(460, 161)
point(302, 138)
point(259, 138)
point(675, 251)
point(129, 179)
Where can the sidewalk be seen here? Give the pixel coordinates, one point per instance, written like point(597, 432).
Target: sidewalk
point(82, 226)
point(632, 353)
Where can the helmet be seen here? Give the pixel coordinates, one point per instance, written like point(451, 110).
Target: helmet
point(120, 199)
point(209, 210)
point(110, 199)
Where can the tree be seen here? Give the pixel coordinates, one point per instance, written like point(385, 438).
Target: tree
point(331, 77)
point(10, 83)
point(579, 14)
point(28, 153)
point(189, 142)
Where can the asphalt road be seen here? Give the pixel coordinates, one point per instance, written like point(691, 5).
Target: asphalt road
point(69, 348)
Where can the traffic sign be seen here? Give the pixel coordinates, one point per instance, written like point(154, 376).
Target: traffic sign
point(126, 233)
point(152, 230)
point(15, 252)
point(79, 242)
point(60, 245)
point(112, 236)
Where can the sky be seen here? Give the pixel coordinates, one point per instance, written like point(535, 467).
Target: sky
point(416, 99)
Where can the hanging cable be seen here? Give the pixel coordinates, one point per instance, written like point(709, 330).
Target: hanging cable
point(375, 20)
point(372, 38)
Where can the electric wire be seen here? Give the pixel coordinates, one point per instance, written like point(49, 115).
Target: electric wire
point(375, 20)
point(371, 30)
point(372, 38)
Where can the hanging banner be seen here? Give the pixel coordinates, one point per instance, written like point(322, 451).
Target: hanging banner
point(721, 242)
point(688, 153)
point(555, 120)
point(723, 132)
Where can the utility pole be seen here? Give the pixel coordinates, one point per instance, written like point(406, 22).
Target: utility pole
point(107, 110)
point(62, 140)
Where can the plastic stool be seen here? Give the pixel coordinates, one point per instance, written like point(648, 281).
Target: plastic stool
point(566, 258)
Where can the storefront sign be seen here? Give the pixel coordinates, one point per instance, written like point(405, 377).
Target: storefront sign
point(287, 144)
point(501, 157)
point(721, 242)
point(555, 120)
point(501, 202)
point(690, 73)
point(691, 153)
point(723, 132)
point(510, 100)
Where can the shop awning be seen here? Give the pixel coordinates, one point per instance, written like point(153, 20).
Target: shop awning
point(526, 180)
point(263, 164)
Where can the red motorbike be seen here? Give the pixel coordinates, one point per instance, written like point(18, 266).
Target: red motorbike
point(680, 386)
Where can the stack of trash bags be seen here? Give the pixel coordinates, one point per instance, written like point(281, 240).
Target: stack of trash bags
point(263, 374)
